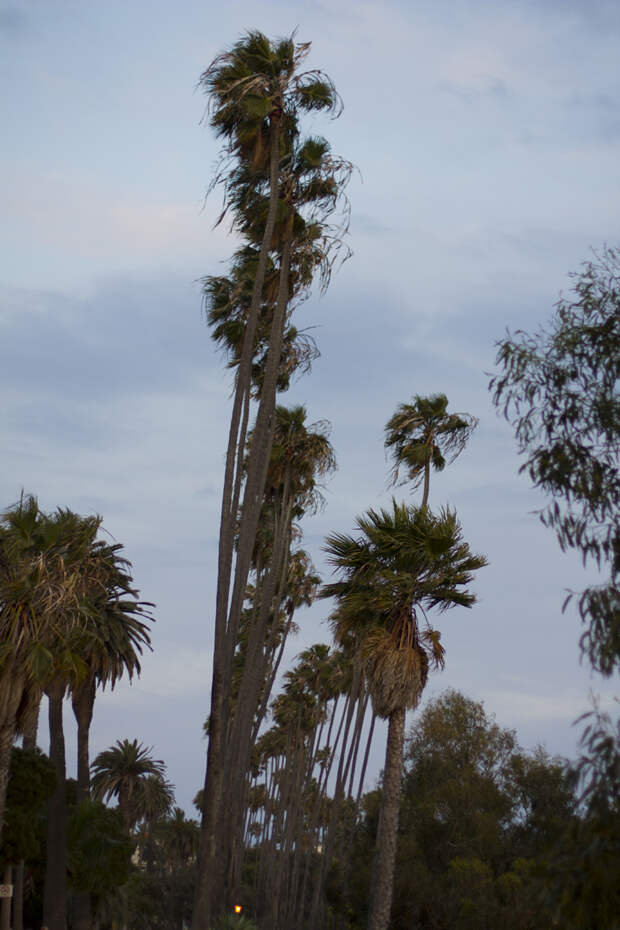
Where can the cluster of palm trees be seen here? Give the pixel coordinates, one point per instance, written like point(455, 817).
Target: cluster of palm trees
point(265, 793)
point(70, 621)
point(309, 766)
point(284, 194)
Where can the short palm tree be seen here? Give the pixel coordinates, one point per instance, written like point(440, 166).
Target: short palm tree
point(128, 772)
point(400, 563)
point(423, 434)
point(114, 637)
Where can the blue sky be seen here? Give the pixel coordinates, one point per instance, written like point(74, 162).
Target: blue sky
point(487, 137)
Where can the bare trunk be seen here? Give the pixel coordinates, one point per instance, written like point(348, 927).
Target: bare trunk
point(5, 906)
point(427, 478)
point(18, 897)
point(387, 834)
point(11, 693)
point(237, 752)
point(83, 701)
point(55, 891)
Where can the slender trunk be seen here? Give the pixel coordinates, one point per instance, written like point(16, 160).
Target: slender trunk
point(257, 468)
point(29, 723)
point(387, 834)
point(7, 732)
point(260, 451)
point(427, 478)
point(207, 888)
point(11, 694)
point(55, 890)
point(18, 896)
point(83, 700)
point(329, 838)
point(371, 731)
point(5, 906)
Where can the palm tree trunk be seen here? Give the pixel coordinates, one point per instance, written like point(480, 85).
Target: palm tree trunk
point(29, 741)
point(246, 706)
point(18, 896)
point(11, 692)
point(7, 732)
point(5, 907)
point(427, 481)
point(387, 834)
point(55, 889)
point(83, 701)
point(209, 875)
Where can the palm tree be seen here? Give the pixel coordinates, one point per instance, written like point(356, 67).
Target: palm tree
point(112, 644)
point(123, 772)
point(422, 434)
point(401, 563)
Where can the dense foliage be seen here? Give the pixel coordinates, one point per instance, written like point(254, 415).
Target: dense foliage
point(478, 816)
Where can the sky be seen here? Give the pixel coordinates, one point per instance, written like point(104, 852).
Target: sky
point(486, 136)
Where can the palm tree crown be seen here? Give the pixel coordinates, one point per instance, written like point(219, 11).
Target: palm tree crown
point(422, 434)
point(402, 562)
point(128, 772)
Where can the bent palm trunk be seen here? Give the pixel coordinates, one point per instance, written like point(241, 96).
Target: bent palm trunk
point(209, 862)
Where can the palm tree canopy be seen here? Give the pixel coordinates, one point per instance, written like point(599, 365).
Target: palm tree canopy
point(402, 562)
point(128, 772)
point(257, 80)
point(66, 596)
point(423, 433)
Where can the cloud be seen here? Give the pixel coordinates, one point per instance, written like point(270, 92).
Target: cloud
point(171, 672)
point(478, 87)
point(72, 229)
point(13, 21)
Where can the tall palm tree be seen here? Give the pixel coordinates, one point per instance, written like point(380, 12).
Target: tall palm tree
point(423, 434)
point(402, 562)
point(256, 91)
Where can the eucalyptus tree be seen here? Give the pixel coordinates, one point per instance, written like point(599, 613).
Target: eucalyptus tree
point(400, 563)
point(558, 388)
point(256, 93)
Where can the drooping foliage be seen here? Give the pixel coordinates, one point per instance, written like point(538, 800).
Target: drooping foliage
point(559, 389)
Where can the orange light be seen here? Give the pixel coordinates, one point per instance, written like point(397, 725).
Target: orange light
point(238, 908)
